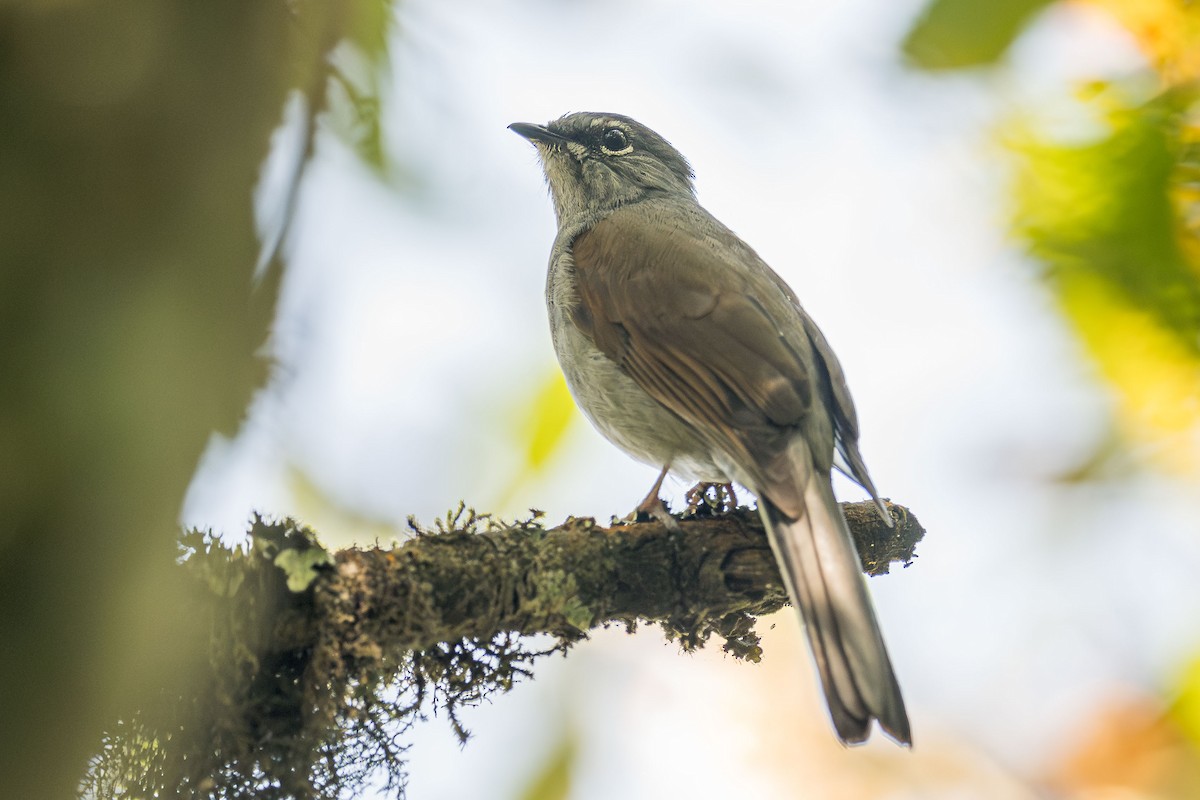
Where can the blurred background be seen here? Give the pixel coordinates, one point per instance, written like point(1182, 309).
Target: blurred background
point(992, 210)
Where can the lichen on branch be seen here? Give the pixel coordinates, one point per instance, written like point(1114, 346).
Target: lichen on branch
point(320, 662)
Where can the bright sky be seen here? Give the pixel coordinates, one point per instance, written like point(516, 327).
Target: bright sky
point(412, 325)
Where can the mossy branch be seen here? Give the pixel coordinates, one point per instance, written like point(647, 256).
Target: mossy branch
point(320, 662)
point(489, 578)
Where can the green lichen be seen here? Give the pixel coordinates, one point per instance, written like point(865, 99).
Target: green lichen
point(556, 594)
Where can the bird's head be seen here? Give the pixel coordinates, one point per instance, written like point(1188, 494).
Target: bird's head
point(597, 162)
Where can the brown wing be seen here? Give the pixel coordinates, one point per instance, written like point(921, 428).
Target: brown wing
point(845, 420)
point(702, 338)
point(836, 392)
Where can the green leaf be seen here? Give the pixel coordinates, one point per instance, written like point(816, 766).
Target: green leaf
point(1108, 221)
point(357, 110)
point(953, 34)
point(369, 25)
point(1105, 208)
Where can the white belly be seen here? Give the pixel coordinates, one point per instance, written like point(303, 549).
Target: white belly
point(623, 412)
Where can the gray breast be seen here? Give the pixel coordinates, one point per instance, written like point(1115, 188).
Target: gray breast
point(612, 401)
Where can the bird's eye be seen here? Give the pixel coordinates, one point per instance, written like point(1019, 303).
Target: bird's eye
point(614, 142)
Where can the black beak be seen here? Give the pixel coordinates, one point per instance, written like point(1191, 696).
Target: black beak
point(537, 133)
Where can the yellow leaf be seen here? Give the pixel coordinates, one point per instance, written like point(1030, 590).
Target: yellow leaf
point(541, 424)
point(1185, 711)
point(549, 418)
point(1156, 378)
point(553, 781)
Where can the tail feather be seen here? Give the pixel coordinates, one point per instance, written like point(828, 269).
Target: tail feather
point(821, 568)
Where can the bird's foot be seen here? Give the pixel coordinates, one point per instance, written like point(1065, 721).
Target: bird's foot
point(652, 506)
point(711, 498)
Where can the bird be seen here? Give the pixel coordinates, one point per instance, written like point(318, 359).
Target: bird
point(686, 350)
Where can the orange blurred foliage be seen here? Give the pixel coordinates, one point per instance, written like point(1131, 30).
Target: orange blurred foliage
point(1131, 748)
point(1168, 31)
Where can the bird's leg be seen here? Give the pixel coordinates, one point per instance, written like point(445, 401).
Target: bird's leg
point(724, 497)
point(652, 506)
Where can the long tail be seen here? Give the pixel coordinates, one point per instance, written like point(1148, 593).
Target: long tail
point(820, 565)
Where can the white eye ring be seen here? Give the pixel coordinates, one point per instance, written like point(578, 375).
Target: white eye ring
point(614, 142)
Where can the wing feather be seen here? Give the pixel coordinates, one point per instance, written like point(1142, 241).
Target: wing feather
point(670, 308)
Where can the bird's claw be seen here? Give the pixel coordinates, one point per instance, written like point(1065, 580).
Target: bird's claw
point(654, 508)
point(723, 499)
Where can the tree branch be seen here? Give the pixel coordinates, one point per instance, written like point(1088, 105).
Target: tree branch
point(475, 582)
point(319, 662)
